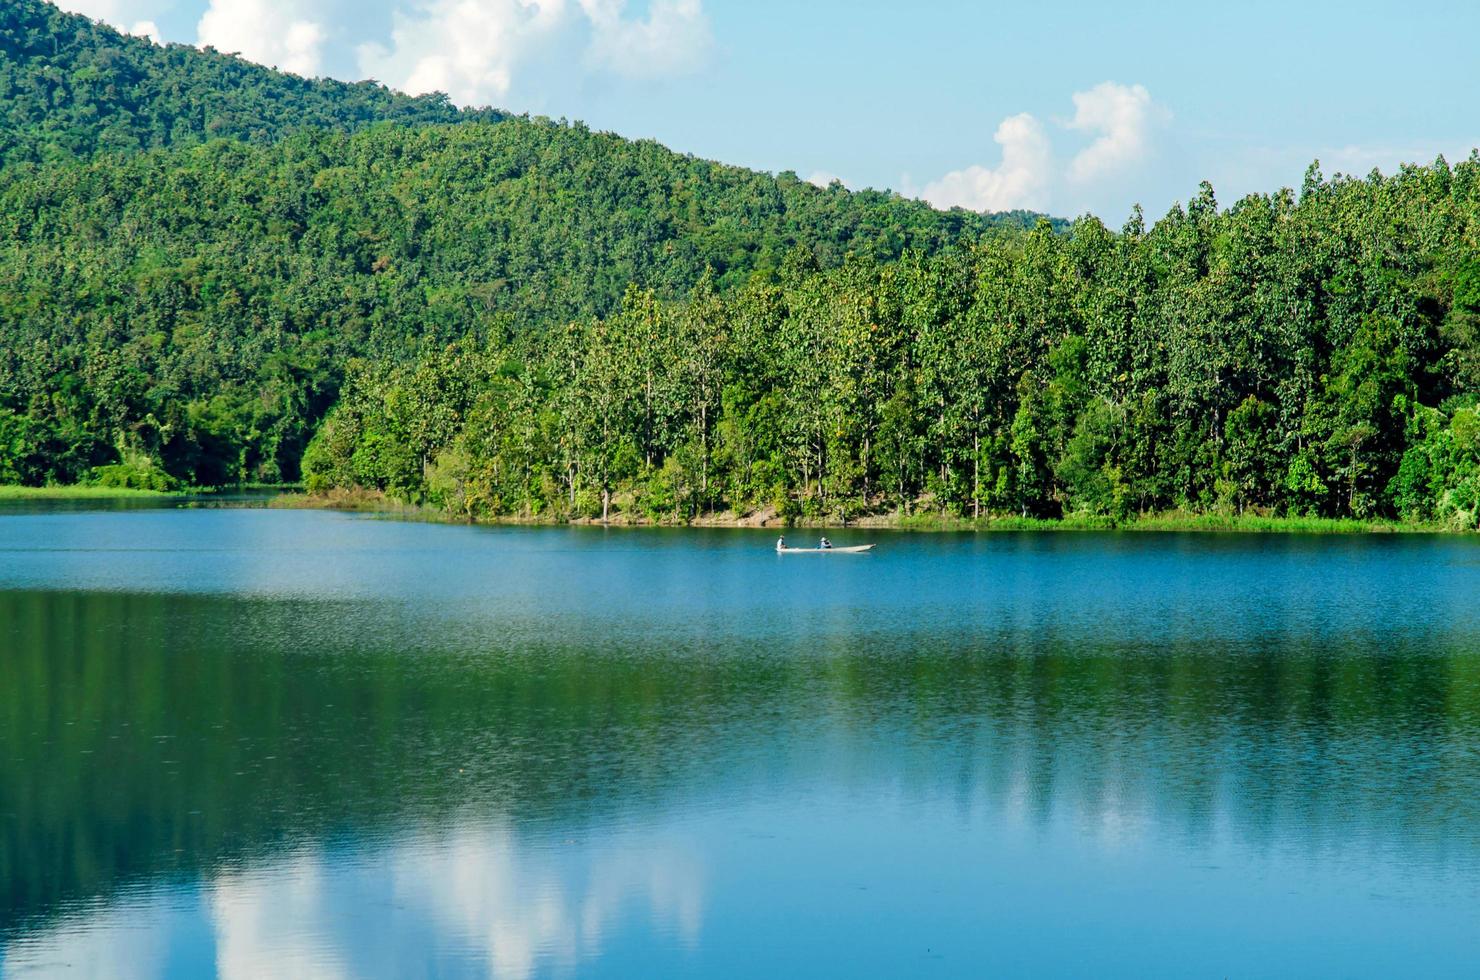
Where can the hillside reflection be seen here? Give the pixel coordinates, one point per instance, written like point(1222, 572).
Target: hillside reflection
point(200, 753)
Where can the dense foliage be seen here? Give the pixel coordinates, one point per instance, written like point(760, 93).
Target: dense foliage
point(200, 257)
point(194, 308)
point(1314, 356)
point(192, 246)
point(70, 88)
point(187, 733)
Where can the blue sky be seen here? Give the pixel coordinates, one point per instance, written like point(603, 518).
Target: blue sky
point(1066, 106)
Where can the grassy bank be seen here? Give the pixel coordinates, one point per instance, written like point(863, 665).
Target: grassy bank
point(374, 502)
point(86, 492)
point(361, 501)
point(1173, 521)
point(82, 493)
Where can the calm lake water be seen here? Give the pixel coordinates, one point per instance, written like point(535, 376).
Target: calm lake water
point(297, 744)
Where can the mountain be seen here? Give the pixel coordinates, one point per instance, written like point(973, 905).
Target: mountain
point(70, 87)
point(193, 248)
point(214, 273)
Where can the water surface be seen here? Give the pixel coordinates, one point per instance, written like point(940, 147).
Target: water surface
point(253, 742)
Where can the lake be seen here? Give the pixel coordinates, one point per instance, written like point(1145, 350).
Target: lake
point(250, 742)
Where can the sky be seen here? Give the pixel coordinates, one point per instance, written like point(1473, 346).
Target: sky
point(1063, 106)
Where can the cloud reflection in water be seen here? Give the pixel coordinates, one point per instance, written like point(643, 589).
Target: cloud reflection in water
point(471, 898)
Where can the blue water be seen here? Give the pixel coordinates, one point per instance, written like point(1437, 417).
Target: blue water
point(279, 743)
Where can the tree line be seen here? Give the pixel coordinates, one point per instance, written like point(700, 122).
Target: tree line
point(192, 247)
point(185, 316)
point(1310, 353)
point(200, 258)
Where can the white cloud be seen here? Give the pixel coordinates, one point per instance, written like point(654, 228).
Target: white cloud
point(114, 11)
point(269, 32)
point(823, 178)
point(673, 40)
point(475, 50)
point(1022, 180)
point(466, 48)
point(1123, 116)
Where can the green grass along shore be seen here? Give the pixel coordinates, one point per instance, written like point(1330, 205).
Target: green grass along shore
point(92, 491)
point(1172, 521)
point(83, 492)
point(369, 502)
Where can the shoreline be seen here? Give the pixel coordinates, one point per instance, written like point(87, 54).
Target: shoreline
point(10, 492)
point(292, 498)
point(767, 519)
point(84, 492)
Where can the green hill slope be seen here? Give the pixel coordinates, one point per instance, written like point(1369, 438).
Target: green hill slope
point(70, 88)
point(193, 247)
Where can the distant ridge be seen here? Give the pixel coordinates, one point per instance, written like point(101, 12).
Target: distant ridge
point(70, 87)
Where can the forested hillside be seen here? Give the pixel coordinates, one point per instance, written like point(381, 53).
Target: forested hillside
point(185, 314)
point(70, 88)
point(1316, 355)
point(507, 316)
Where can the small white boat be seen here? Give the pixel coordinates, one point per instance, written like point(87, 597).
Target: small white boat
point(856, 549)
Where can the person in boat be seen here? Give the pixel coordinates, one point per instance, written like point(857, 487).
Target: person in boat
point(781, 543)
point(826, 544)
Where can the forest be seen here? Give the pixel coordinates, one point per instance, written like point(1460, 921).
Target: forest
point(1298, 354)
point(183, 314)
point(212, 274)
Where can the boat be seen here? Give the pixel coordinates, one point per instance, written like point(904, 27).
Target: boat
point(856, 549)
